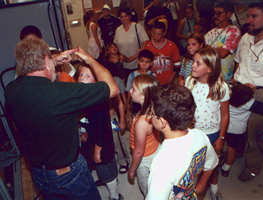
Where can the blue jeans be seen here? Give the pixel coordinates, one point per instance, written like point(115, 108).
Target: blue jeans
point(77, 184)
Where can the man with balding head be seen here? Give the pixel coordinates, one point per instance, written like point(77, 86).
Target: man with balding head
point(46, 114)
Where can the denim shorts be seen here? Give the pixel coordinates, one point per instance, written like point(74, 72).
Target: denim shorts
point(77, 184)
point(107, 172)
point(213, 137)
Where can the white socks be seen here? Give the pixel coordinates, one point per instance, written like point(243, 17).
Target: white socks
point(226, 167)
point(214, 188)
point(113, 189)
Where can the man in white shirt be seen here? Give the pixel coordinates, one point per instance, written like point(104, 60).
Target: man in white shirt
point(250, 72)
point(184, 153)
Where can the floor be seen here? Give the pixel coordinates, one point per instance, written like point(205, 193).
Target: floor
point(230, 187)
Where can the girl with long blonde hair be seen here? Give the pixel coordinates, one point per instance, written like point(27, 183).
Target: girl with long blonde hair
point(143, 141)
point(211, 95)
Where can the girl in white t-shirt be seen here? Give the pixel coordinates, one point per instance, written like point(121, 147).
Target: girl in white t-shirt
point(211, 95)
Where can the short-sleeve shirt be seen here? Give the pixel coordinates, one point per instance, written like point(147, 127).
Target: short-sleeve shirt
point(177, 173)
point(108, 26)
point(127, 42)
point(249, 56)
point(186, 68)
point(239, 118)
point(226, 38)
point(46, 115)
point(207, 113)
point(165, 57)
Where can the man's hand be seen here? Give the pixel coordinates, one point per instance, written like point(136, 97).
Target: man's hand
point(64, 57)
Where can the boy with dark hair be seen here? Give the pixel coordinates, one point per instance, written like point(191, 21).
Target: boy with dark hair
point(145, 61)
point(176, 174)
point(165, 51)
point(30, 31)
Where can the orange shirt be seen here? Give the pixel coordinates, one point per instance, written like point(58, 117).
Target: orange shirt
point(165, 57)
point(64, 77)
point(151, 141)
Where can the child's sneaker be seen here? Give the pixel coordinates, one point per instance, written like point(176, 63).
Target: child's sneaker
point(115, 125)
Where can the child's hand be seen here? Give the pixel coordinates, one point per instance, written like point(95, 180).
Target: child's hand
point(131, 176)
point(218, 146)
point(123, 58)
point(83, 137)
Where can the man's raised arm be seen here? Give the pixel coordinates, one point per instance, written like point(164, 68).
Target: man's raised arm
point(101, 72)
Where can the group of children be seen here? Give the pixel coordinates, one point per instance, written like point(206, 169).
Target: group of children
point(169, 147)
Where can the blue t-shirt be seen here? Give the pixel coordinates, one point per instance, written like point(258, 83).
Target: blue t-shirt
point(186, 68)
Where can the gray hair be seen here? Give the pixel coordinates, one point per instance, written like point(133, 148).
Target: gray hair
point(30, 56)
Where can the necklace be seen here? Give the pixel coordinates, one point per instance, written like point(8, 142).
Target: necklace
point(254, 53)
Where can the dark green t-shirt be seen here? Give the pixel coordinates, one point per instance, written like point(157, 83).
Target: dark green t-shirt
point(46, 115)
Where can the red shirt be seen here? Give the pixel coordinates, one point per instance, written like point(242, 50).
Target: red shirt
point(164, 60)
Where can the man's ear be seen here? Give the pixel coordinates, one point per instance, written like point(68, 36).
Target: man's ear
point(46, 64)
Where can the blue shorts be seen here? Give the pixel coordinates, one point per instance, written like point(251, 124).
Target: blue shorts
point(213, 137)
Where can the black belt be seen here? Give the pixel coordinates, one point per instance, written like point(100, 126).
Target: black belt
point(50, 167)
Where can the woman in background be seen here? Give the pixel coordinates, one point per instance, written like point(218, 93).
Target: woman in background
point(129, 38)
point(95, 42)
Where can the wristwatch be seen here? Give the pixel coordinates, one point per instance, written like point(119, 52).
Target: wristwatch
point(222, 137)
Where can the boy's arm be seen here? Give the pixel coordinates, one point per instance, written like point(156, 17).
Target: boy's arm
point(202, 182)
point(141, 129)
point(101, 72)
